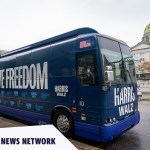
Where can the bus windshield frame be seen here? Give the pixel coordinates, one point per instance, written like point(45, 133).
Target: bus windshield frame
point(118, 55)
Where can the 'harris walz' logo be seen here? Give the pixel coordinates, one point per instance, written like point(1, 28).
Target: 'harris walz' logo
point(23, 77)
point(124, 100)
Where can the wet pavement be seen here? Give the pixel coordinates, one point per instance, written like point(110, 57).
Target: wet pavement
point(137, 138)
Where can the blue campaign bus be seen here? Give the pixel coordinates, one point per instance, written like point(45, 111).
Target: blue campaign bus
point(81, 81)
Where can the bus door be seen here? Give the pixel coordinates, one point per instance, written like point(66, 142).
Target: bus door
point(87, 85)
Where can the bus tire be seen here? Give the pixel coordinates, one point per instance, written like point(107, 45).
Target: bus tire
point(63, 121)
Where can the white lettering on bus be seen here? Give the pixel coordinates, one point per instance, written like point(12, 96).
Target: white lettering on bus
point(61, 90)
point(124, 100)
point(125, 109)
point(2, 78)
point(23, 77)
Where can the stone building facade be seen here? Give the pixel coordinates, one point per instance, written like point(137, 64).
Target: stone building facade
point(141, 53)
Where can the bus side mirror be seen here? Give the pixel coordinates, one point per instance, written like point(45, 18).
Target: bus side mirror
point(109, 74)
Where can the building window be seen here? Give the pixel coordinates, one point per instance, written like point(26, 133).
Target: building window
point(142, 59)
point(147, 39)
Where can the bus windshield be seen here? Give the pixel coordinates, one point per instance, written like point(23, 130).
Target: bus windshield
point(128, 63)
point(120, 58)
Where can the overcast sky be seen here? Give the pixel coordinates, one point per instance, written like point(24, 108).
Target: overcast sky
point(24, 22)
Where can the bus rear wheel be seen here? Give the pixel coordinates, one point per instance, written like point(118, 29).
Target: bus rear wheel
point(63, 121)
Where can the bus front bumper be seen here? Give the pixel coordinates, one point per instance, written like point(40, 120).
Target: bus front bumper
point(106, 133)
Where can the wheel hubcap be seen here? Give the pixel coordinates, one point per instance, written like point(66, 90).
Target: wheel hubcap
point(63, 123)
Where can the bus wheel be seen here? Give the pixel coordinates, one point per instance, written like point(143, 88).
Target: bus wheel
point(63, 121)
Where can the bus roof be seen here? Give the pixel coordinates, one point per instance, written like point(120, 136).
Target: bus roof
point(61, 37)
point(58, 38)
point(112, 38)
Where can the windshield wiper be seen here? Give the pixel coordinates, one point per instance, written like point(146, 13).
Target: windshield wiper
point(128, 58)
point(114, 62)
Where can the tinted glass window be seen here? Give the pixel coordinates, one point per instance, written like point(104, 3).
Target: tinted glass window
point(128, 63)
point(111, 56)
point(86, 68)
point(120, 58)
point(110, 50)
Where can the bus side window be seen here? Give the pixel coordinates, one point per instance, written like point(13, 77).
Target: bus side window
point(87, 68)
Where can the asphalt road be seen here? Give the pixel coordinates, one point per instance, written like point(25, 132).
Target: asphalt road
point(137, 138)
